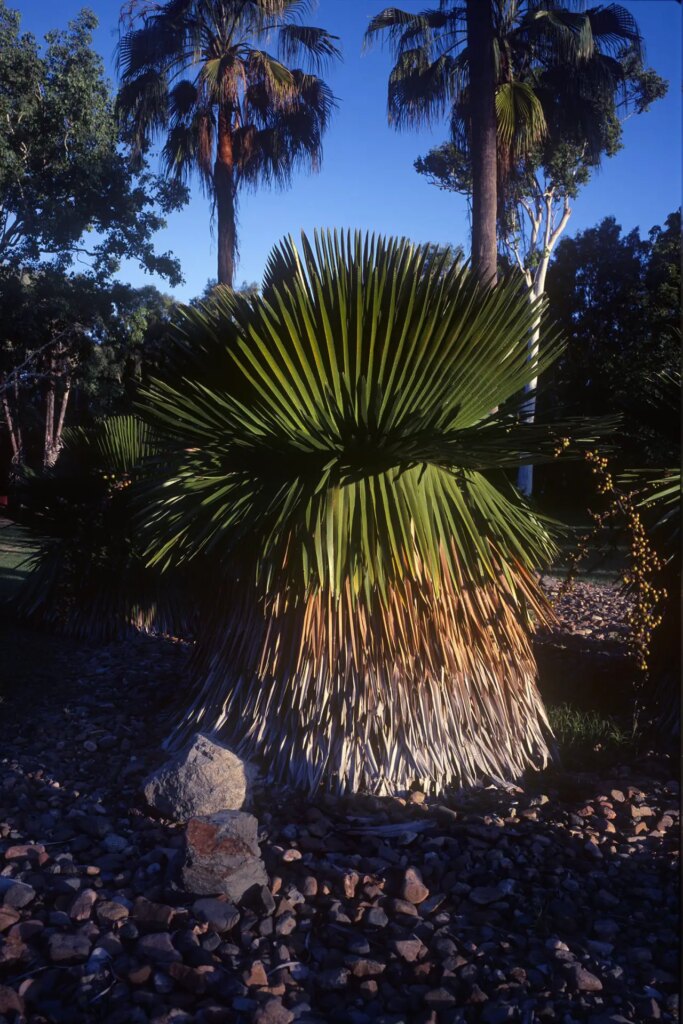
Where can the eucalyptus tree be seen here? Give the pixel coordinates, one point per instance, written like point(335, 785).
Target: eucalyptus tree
point(196, 73)
point(336, 476)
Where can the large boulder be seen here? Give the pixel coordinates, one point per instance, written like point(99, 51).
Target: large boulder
point(222, 855)
point(204, 778)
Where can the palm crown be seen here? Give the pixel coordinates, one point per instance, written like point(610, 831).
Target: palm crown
point(554, 64)
point(338, 469)
point(197, 72)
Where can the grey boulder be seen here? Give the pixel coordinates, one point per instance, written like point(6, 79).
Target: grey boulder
point(222, 855)
point(206, 777)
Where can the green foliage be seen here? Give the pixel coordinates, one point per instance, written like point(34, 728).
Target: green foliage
point(581, 734)
point(90, 579)
point(73, 329)
point(336, 477)
point(617, 300)
point(67, 187)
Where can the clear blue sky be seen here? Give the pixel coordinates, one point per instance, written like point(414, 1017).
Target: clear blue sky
point(367, 178)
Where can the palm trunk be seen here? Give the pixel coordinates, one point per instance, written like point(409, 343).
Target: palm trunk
point(484, 149)
point(224, 188)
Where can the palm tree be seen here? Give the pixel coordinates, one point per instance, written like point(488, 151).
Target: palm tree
point(339, 481)
point(89, 578)
point(551, 63)
point(194, 72)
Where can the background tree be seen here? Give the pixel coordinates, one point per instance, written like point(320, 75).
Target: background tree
point(71, 343)
point(68, 189)
point(194, 73)
point(70, 194)
point(565, 76)
point(617, 299)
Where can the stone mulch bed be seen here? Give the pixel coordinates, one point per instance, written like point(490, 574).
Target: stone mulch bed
point(554, 900)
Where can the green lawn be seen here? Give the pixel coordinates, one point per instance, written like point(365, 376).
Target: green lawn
point(17, 548)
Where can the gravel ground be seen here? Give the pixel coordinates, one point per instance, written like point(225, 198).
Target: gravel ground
point(555, 900)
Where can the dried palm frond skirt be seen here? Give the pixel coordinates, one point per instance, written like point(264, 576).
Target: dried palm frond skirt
point(434, 688)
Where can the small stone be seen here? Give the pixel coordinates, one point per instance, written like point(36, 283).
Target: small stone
point(407, 949)
point(68, 949)
point(114, 844)
point(309, 886)
point(439, 999)
point(583, 980)
point(90, 746)
point(350, 881)
point(363, 968)
point(333, 979)
point(140, 975)
point(27, 851)
point(15, 894)
point(222, 916)
point(413, 888)
point(109, 912)
point(10, 1001)
point(376, 917)
point(82, 905)
point(256, 976)
point(8, 917)
point(150, 916)
point(273, 1012)
point(401, 907)
point(485, 895)
point(158, 948)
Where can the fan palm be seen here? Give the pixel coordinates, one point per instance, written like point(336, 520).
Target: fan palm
point(340, 478)
point(89, 578)
point(194, 72)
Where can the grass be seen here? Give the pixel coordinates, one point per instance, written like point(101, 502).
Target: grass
point(588, 737)
point(17, 550)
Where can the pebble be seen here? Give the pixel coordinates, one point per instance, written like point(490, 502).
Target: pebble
point(376, 910)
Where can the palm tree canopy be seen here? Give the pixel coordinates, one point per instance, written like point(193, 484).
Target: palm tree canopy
point(554, 61)
point(339, 426)
point(185, 63)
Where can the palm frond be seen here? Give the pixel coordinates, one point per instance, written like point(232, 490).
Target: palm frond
point(333, 462)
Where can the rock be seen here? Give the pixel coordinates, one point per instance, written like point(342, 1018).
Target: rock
point(413, 888)
point(150, 916)
point(158, 948)
point(10, 1001)
point(363, 968)
point(439, 999)
point(15, 894)
point(256, 976)
point(109, 912)
point(407, 949)
point(583, 980)
point(68, 949)
point(8, 917)
point(204, 779)
point(222, 855)
point(220, 915)
point(376, 917)
point(82, 906)
point(273, 1012)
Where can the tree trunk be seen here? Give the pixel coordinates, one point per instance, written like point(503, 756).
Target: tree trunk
point(12, 427)
point(49, 417)
point(484, 139)
point(525, 474)
point(224, 188)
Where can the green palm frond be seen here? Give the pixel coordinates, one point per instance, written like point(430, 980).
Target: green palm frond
point(335, 466)
point(90, 579)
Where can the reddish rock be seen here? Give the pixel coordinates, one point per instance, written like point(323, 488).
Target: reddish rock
point(10, 1001)
point(222, 855)
point(413, 888)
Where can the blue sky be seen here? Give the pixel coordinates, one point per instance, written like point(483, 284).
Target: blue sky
point(367, 178)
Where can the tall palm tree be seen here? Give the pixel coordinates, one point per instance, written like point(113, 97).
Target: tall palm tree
point(196, 72)
point(338, 480)
point(551, 63)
